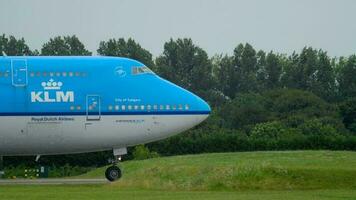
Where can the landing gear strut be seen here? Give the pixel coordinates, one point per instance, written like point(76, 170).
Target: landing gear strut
point(114, 173)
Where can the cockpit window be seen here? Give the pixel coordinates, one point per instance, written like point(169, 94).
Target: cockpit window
point(141, 70)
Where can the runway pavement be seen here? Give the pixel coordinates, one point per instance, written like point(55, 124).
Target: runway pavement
point(52, 181)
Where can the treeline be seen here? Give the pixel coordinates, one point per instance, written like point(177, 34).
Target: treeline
point(261, 100)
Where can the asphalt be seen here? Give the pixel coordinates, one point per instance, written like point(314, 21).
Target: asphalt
point(52, 181)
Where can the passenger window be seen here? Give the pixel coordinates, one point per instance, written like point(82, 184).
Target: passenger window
point(174, 107)
point(187, 107)
point(142, 107)
point(123, 107)
point(129, 107)
point(161, 107)
point(116, 107)
point(168, 107)
point(136, 107)
point(180, 107)
point(110, 107)
point(79, 107)
point(155, 107)
point(148, 107)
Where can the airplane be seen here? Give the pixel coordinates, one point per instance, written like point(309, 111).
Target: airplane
point(54, 105)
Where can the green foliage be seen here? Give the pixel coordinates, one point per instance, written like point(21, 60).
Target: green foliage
point(311, 71)
point(346, 77)
point(113, 192)
point(260, 101)
point(141, 153)
point(245, 62)
point(240, 171)
point(316, 127)
point(129, 49)
point(238, 74)
point(348, 111)
point(288, 103)
point(244, 111)
point(270, 71)
point(268, 130)
point(14, 47)
point(64, 46)
point(187, 65)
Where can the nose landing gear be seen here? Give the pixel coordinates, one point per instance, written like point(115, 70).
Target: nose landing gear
point(114, 173)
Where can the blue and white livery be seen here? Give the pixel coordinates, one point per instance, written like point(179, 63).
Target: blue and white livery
point(64, 105)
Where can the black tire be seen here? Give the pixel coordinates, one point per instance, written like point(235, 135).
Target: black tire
point(113, 173)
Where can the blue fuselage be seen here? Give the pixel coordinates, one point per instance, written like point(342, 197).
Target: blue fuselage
point(57, 105)
point(62, 85)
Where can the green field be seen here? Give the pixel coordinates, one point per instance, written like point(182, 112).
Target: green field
point(111, 192)
point(251, 175)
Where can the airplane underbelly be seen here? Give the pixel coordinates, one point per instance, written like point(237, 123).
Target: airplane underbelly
point(44, 135)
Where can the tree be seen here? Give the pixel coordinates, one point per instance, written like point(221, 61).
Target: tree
point(270, 71)
point(245, 63)
point(348, 112)
point(295, 107)
point(224, 73)
point(129, 49)
point(244, 111)
point(64, 46)
point(346, 77)
point(323, 82)
point(187, 65)
point(300, 69)
point(239, 73)
point(312, 70)
point(14, 47)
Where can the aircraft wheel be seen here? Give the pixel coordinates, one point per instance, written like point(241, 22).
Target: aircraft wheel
point(113, 173)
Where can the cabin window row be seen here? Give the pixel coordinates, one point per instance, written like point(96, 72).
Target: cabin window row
point(58, 74)
point(148, 107)
point(139, 107)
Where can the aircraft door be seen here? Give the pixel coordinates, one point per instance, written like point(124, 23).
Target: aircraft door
point(93, 108)
point(19, 72)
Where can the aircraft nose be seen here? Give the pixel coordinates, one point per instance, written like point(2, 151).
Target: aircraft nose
point(203, 106)
point(202, 110)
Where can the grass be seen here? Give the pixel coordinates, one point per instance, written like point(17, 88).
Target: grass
point(292, 170)
point(251, 175)
point(109, 192)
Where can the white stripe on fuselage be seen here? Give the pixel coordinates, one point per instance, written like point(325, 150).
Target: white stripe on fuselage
point(45, 135)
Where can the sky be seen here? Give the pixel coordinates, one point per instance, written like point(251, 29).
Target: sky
point(217, 26)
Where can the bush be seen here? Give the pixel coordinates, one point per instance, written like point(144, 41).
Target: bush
point(317, 128)
point(141, 153)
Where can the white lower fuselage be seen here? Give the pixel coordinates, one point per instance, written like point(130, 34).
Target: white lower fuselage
point(49, 135)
